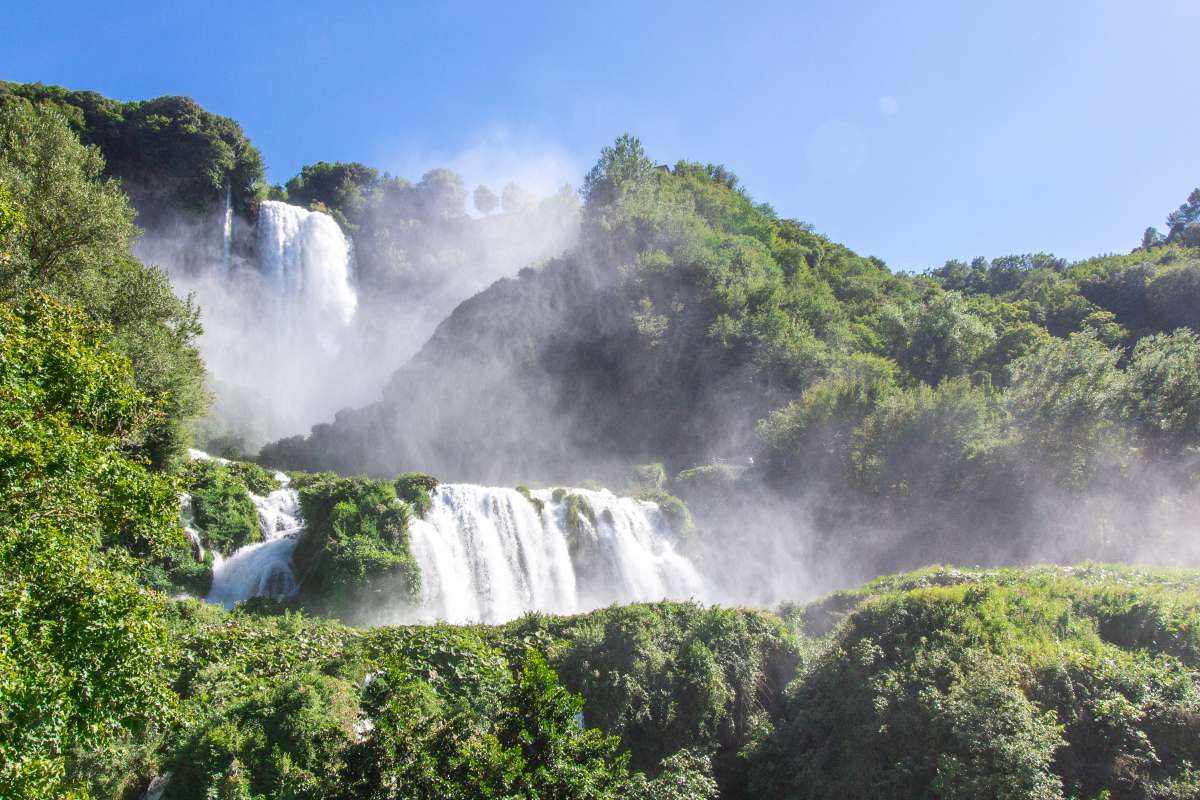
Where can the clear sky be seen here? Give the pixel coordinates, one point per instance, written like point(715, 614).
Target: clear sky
point(914, 131)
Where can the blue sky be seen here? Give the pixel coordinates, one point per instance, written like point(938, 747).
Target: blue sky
point(914, 131)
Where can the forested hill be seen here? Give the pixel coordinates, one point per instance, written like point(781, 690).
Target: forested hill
point(685, 315)
point(695, 327)
point(690, 317)
point(167, 152)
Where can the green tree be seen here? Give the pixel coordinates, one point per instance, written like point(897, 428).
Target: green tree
point(485, 200)
point(622, 162)
point(441, 196)
point(1183, 224)
point(1162, 390)
point(1152, 238)
point(1173, 297)
point(939, 338)
point(341, 189)
point(142, 141)
point(81, 649)
point(73, 242)
point(1064, 403)
point(515, 199)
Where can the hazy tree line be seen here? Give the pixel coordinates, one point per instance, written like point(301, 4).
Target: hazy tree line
point(901, 418)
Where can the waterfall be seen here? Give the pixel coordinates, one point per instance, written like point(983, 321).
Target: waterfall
point(227, 231)
point(306, 262)
point(188, 519)
point(490, 555)
point(264, 568)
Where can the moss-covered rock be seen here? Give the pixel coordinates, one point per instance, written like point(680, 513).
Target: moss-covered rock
point(578, 510)
point(414, 488)
point(222, 507)
point(648, 476)
point(674, 509)
point(537, 503)
point(354, 544)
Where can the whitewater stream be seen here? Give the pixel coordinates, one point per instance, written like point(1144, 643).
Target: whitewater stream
point(490, 555)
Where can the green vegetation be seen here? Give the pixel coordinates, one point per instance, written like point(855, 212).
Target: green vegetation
point(354, 545)
point(673, 677)
point(81, 647)
point(223, 510)
point(253, 477)
point(285, 706)
point(1045, 683)
point(167, 152)
point(648, 476)
point(69, 236)
point(578, 510)
point(674, 509)
point(414, 488)
point(536, 502)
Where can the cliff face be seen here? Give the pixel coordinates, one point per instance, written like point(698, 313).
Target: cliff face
point(484, 398)
point(544, 376)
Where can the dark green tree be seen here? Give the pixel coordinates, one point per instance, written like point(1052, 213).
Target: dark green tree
point(73, 242)
point(81, 648)
point(485, 200)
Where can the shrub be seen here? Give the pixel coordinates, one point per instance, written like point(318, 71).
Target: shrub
point(414, 488)
point(355, 541)
point(537, 503)
point(222, 506)
point(255, 478)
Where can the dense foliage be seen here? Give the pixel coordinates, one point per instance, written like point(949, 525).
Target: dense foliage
point(1042, 683)
point(354, 553)
point(167, 152)
point(221, 506)
point(72, 241)
point(80, 643)
point(1039, 684)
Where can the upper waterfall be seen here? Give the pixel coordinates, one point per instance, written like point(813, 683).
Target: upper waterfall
point(280, 310)
point(307, 261)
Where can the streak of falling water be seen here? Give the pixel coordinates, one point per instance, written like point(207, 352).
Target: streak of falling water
point(264, 568)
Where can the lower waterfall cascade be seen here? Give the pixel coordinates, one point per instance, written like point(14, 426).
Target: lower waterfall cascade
point(262, 569)
point(489, 555)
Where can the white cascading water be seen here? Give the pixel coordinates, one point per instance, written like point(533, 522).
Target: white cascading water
point(489, 555)
point(227, 232)
point(306, 260)
point(189, 526)
point(264, 568)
